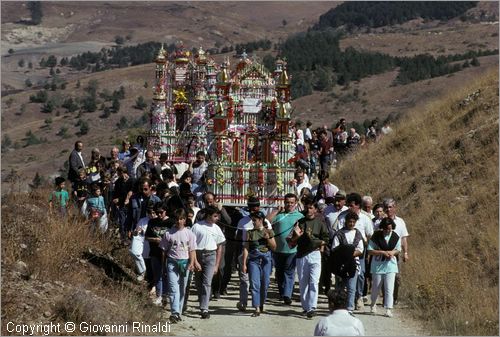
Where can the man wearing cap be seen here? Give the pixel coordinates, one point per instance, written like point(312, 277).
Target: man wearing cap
point(331, 212)
point(244, 225)
point(340, 322)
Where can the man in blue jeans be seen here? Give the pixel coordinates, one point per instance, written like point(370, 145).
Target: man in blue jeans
point(283, 221)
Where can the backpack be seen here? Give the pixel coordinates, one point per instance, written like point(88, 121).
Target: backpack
point(342, 262)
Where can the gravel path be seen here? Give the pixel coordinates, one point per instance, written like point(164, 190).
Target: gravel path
point(281, 320)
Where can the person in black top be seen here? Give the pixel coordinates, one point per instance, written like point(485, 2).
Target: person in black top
point(312, 238)
point(259, 243)
point(156, 228)
point(122, 192)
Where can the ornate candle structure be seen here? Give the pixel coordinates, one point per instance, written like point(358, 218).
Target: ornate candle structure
point(239, 118)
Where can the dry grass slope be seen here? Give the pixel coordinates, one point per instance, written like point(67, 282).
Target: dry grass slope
point(62, 255)
point(441, 166)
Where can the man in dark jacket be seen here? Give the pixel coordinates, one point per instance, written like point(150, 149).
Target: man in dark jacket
point(75, 162)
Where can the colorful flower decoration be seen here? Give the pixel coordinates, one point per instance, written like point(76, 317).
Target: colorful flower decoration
point(274, 149)
point(219, 174)
point(279, 180)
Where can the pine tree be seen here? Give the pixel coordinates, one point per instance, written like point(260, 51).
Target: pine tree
point(115, 105)
point(475, 62)
point(140, 103)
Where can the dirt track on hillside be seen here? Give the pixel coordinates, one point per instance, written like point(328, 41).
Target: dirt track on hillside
point(281, 320)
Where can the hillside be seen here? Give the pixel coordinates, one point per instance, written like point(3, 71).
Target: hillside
point(69, 28)
point(441, 166)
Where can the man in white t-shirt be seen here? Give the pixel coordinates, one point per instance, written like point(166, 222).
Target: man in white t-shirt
point(300, 182)
point(209, 240)
point(340, 322)
point(402, 231)
point(365, 226)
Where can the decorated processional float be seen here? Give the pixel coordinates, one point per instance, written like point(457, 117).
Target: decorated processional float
point(239, 118)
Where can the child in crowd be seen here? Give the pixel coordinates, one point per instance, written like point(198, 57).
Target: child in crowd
point(58, 199)
point(81, 190)
point(96, 209)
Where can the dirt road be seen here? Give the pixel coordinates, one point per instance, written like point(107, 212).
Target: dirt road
point(281, 320)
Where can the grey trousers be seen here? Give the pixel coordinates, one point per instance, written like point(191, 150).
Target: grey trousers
point(203, 278)
point(244, 283)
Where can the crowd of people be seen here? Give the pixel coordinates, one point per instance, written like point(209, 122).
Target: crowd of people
point(321, 148)
point(175, 230)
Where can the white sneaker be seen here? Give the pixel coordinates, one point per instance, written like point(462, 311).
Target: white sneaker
point(373, 309)
point(157, 301)
point(388, 313)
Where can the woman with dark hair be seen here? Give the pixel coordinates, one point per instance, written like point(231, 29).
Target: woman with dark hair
point(187, 177)
point(384, 246)
point(378, 216)
point(347, 247)
point(257, 248)
point(157, 227)
point(325, 188)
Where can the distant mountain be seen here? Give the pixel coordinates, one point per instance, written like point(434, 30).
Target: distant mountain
point(382, 13)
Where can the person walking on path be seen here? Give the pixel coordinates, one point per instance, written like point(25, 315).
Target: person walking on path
point(365, 226)
point(384, 246)
point(257, 248)
point(209, 240)
point(179, 257)
point(311, 242)
point(245, 224)
point(400, 229)
point(283, 220)
point(347, 247)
